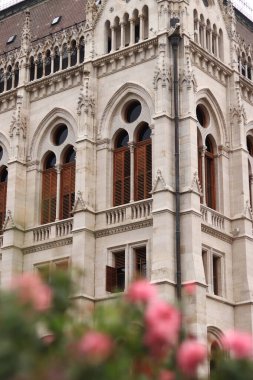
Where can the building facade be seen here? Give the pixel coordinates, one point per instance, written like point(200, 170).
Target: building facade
point(88, 96)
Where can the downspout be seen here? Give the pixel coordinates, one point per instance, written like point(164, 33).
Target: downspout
point(175, 38)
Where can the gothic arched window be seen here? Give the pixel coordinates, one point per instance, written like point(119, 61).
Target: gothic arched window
point(121, 169)
point(49, 190)
point(210, 174)
point(3, 194)
point(143, 163)
point(67, 184)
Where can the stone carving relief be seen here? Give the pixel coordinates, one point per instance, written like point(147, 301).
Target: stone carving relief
point(85, 110)
point(26, 35)
point(8, 222)
point(159, 183)
point(195, 185)
point(162, 81)
point(18, 129)
point(80, 204)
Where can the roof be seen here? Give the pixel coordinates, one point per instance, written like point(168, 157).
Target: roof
point(42, 14)
point(244, 27)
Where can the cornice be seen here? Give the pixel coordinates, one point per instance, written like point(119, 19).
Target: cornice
point(48, 245)
point(123, 228)
point(215, 233)
point(125, 51)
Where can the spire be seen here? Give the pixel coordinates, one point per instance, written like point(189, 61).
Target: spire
point(91, 11)
point(26, 34)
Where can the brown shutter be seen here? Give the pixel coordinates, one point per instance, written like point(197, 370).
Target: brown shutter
point(210, 180)
point(111, 279)
point(3, 193)
point(121, 177)
point(143, 170)
point(67, 190)
point(49, 189)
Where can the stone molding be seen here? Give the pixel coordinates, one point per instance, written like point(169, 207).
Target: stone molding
point(123, 228)
point(216, 234)
point(49, 245)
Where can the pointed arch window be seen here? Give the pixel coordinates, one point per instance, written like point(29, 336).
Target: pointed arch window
point(9, 78)
point(81, 50)
point(73, 53)
point(48, 63)
point(65, 57)
point(49, 190)
point(39, 66)
point(16, 75)
point(210, 174)
point(32, 69)
point(143, 163)
point(250, 168)
point(3, 195)
point(56, 59)
point(121, 170)
point(68, 171)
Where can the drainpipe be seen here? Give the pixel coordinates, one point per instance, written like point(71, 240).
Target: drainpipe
point(175, 38)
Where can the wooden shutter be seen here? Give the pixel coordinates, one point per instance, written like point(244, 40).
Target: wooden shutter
point(111, 279)
point(121, 176)
point(3, 193)
point(49, 189)
point(143, 170)
point(67, 190)
point(210, 180)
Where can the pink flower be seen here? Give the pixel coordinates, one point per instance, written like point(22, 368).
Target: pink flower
point(190, 354)
point(240, 344)
point(48, 339)
point(31, 289)
point(141, 291)
point(190, 288)
point(162, 327)
point(95, 346)
point(166, 375)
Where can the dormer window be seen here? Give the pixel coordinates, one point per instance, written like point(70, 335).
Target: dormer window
point(56, 20)
point(11, 39)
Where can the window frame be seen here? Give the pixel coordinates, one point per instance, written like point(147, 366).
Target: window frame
point(208, 268)
point(130, 261)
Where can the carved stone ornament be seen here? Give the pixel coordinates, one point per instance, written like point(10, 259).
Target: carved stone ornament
point(196, 186)
point(80, 204)
point(8, 222)
point(18, 129)
point(159, 183)
point(91, 12)
point(26, 35)
point(247, 211)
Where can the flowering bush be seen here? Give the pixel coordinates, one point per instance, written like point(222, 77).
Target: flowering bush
point(136, 337)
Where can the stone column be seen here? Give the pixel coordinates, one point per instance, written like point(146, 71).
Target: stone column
point(113, 32)
point(141, 27)
point(123, 35)
point(132, 31)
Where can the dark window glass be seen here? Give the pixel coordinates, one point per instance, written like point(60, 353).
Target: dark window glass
point(60, 134)
point(4, 175)
point(82, 50)
point(56, 59)
point(48, 63)
point(32, 69)
point(16, 75)
point(1, 80)
point(50, 161)
point(144, 133)
point(73, 54)
point(39, 66)
point(70, 156)
point(122, 140)
point(132, 111)
point(1, 152)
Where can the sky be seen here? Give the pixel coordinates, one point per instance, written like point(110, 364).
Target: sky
point(244, 6)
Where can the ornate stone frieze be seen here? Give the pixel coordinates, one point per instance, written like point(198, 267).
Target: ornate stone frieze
point(124, 228)
point(49, 245)
point(216, 234)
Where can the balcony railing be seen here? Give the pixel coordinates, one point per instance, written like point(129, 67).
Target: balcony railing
point(126, 213)
point(53, 230)
point(215, 219)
